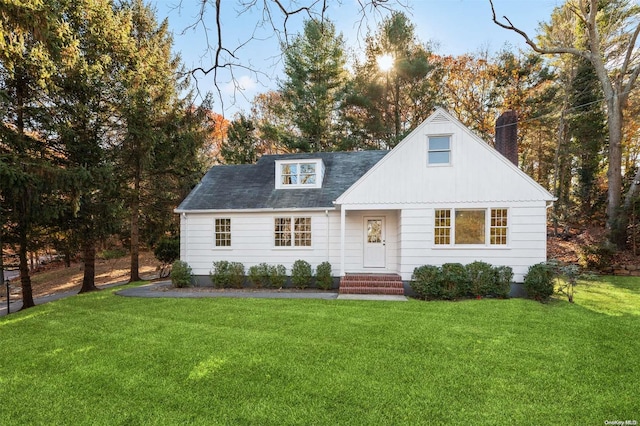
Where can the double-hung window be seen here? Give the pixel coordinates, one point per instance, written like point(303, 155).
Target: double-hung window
point(468, 227)
point(439, 150)
point(223, 232)
point(292, 232)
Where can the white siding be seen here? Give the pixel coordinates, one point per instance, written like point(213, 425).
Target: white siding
point(252, 240)
point(477, 173)
point(526, 240)
point(477, 177)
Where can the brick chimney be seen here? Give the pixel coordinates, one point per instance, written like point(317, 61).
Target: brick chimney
point(507, 135)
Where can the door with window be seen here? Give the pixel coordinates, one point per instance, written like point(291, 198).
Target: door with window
point(374, 243)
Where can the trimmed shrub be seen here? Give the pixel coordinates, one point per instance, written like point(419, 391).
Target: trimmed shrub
point(180, 274)
point(227, 274)
point(301, 273)
point(324, 279)
point(425, 281)
point(455, 281)
point(277, 276)
point(504, 276)
point(236, 275)
point(482, 278)
point(539, 281)
point(167, 251)
point(259, 275)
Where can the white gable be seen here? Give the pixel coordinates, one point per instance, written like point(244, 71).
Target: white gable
point(477, 172)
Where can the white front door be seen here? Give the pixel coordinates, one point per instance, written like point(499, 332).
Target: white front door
point(374, 243)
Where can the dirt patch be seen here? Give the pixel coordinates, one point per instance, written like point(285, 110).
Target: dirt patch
point(57, 278)
point(569, 247)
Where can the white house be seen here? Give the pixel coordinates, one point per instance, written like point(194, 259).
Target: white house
point(442, 195)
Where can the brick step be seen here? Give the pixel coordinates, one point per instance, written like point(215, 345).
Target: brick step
point(367, 283)
point(390, 284)
point(371, 290)
point(372, 277)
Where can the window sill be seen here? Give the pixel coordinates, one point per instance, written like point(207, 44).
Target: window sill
point(471, 247)
point(296, 248)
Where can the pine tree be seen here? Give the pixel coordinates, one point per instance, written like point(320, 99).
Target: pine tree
point(313, 89)
point(150, 93)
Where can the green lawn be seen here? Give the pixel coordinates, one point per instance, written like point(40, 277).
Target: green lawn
point(104, 359)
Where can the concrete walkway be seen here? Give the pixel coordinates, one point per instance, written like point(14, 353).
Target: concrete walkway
point(161, 289)
point(155, 290)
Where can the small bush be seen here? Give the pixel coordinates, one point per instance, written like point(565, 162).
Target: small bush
point(167, 251)
point(597, 256)
point(323, 276)
point(236, 275)
point(425, 281)
point(482, 278)
point(277, 276)
point(504, 276)
point(180, 274)
point(301, 273)
point(539, 281)
point(227, 274)
point(455, 281)
point(259, 275)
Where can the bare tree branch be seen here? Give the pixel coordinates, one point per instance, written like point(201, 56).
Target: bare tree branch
point(546, 51)
point(275, 19)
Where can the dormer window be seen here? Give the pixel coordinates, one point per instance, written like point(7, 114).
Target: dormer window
point(299, 173)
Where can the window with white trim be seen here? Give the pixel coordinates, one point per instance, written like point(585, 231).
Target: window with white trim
point(299, 173)
point(439, 150)
point(292, 232)
point(223, 232)
point(442, 230)
point(468, 227)
point(498, 228)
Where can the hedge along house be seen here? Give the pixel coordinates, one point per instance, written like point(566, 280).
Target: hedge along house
point(442, 195)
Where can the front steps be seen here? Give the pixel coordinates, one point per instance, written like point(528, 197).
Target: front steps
point(362, 283)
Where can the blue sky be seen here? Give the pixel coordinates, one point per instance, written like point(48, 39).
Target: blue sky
point(454, 26)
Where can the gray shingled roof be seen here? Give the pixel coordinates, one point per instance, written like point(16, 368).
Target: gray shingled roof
point(252, 186)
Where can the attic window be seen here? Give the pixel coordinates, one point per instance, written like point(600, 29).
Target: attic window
point(299, 174)
point(439, 150)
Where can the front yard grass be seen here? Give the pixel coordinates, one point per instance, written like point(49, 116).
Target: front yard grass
point(104, 359)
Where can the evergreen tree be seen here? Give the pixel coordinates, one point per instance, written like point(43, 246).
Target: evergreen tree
point(313, 89)
point(240, 146)
point(85, 107)
point(385, 104)
point(150, 93)
point(589, 133)
point(32, 41)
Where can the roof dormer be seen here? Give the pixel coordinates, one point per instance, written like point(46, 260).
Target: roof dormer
point(299, 173)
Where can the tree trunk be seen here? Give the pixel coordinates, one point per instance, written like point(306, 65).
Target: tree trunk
point(25, 278)
point(89, 259)
point(616, 222)
point(396, 109)
point(135, 231)
point(1, 260)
